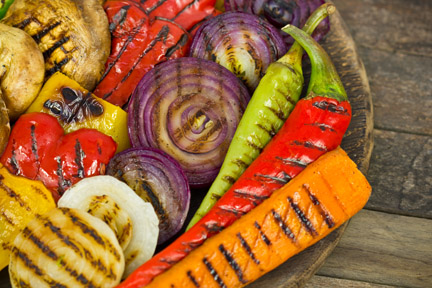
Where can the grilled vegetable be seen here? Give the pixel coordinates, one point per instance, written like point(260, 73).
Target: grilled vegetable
point(158, 179)
point(76, 108)
point(38, 149)
point(21, 69)
point(21, 200)
point(66, 248)
point(73, 35)
point(139, 43)
point(4, 124)
point(282, 12)
point(189, 108)
point(243, 43)
point(270, 105)
point(4, 6)
point(326, 194)
point(132, 220)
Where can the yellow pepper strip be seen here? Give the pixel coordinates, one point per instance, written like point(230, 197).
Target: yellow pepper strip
point(21, 199)
point(76, 108)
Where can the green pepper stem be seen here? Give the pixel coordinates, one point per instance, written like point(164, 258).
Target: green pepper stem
point(294, 56)
point(324, 80)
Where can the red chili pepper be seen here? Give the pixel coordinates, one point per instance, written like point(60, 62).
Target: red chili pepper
point(316, 125)
point(38, 149)
point(145, 33)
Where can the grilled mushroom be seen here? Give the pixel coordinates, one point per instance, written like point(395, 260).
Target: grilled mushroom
point(21, 70)
point(72, 34)
point(4, 124)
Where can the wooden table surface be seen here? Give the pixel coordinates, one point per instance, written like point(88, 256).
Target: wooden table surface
point(389, 243)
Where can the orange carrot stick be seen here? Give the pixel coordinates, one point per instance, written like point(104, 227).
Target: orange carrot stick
point(322, 197)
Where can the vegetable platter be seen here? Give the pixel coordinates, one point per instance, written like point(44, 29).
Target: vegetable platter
point(357, 142)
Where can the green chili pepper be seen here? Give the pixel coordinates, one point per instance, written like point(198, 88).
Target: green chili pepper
point(272, 102)
point(4, 6)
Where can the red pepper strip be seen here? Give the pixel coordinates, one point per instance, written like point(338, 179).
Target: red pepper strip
point(38, 149)
point(136, 50)
point(315, 126)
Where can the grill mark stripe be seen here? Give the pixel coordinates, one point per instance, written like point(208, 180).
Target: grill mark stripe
point(180, 43)
point(287, 231)
point(309, 145)
point(293, 162)
point(262, 234)
point(37, 37)
point(154, 200)
point(12, 194)
point(192, 279)
point(322, 126)
point(57, 67)
point(234, 211)
point(248, 195)
point(327, 106)
point(13, 161)
point(247, 248)
point(185, 8)
point(157, 5)
point(79, 158)
point(47, 53)
point(284, 180)
point(119, 18)
point(233, 264)
point(213, 272)
point(324, 214)
point(34, 146)
point(199, 23)
point(302, 217)
point(7, 218)
point(24, 23)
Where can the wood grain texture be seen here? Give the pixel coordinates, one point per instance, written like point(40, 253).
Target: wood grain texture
point(321, 281)
point(401, 184)
point(384, 249)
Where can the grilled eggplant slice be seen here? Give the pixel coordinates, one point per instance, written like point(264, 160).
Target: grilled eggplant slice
point(72, 34)
point(21, 69)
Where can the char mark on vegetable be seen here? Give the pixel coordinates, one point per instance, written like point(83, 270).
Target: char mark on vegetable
point(293, 162)
point(247, 195)
point(34, 146)
point(331, 107)
point(234, 211)
point(270, 132)
point(63, 183)
point(324, 214)
point(28, 262)
point(57, 67)
point(184, 38)
point(213, 228)
point(12, 194)
point(247, 248)
point(185, 8)
point(47, 53)
point(302, 217)
point(79, 159)
point(26, 22)
point(285, 229)
point(310, 145)
point(154, 200)
point(268, 178)
point(154, 7)
point(37, 37)
point(119, 18)
point(13, 161)
point(233, 263)
point(192, 279)
point(262, 234)
point(240, 163)
point(277, 112)
point(86, 229)
point(7, 219)
point(323, 127)
point(213, 272)
point(228, 179)
point(45, 249)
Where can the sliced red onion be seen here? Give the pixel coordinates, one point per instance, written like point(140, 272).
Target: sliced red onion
point(243, 43)
point(189, 108)
point(282, 12)
point(157, 178)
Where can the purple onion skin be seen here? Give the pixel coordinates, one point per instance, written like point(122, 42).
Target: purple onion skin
point(189, 108)
point(282, 12)
point(242, 42)
point(157, 178)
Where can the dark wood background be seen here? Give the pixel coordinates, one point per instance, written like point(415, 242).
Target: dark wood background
point(389, 244)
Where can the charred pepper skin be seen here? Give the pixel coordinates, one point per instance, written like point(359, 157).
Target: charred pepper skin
point(272, 102)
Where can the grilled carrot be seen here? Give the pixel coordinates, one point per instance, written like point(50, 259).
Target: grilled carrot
point(326, 194)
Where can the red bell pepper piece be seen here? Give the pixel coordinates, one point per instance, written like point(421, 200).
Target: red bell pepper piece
point(38, 149)
point(145, 33)
point(315, 126)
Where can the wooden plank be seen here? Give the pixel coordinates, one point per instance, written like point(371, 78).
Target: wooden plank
point(402, 26)
point(384, 249)
point(400, 174)
point(321, 281)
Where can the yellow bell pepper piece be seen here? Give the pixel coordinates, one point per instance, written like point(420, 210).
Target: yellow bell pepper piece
point(21, 199)
point(76, 108)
